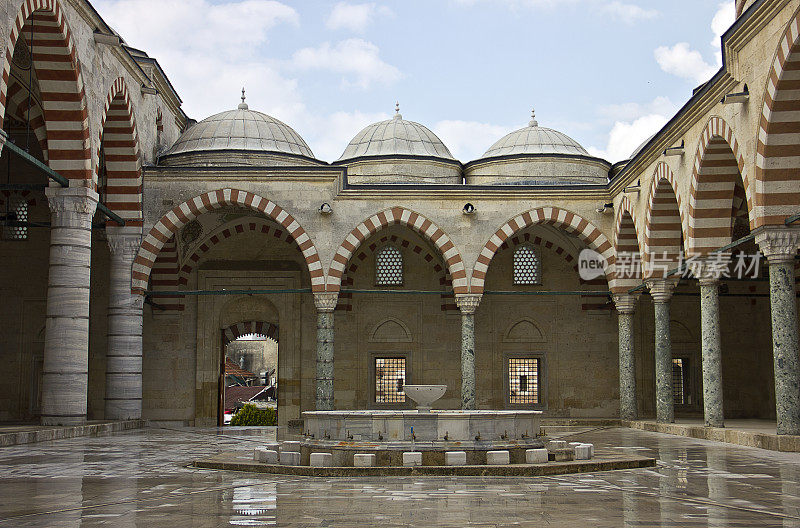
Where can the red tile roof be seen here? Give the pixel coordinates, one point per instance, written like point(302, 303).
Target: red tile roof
point(232, 369)
point(234, 395)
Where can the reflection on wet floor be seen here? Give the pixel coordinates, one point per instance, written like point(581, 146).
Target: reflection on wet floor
point(139, 479)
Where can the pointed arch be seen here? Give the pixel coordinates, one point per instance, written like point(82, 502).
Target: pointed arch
point(184, 213)
point(235, 331)
point(718, 166)
point(411, 219)
point(627, 248)
point(777, 186)
point(561, 218)
point(60, 82)
point(119, 144)
point(664, 232)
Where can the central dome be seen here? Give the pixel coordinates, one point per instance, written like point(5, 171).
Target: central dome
point(259, 135)
point(394, 137)
point(534, 139)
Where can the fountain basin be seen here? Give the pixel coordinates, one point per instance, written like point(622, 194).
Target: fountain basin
point(424, 395)
point(435, 426)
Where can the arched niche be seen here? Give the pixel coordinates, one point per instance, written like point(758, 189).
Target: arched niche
point(390, 330)
point(524, 331)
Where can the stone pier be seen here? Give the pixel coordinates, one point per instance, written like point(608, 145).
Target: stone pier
point(124, 356)
point(66, 349)
point(626, 305)
point(468, 304)
point(326, 304)
point(661, 292)
point(780, 246)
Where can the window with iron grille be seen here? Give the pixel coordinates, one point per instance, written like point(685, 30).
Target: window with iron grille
point(679, 380)
point(390, 379)
point(16, 212)
point(527, 269)
point(523, 380)
point(389, 267)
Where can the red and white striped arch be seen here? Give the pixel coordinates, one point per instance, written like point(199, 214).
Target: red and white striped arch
point(447, 297)
point(17, 107)
point(402, 216)
point(718, 167)
point(235, 331)
point(561, 218)
point(665, 223)
point(120, 144)
point(777, 184)
point(179, 216)
point(626, 240)
point(60, 84)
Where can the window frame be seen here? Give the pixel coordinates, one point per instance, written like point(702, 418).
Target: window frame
point(373, 357)
point(542, 379)
point(22, 203)
point(377, 254)
point(537, 255)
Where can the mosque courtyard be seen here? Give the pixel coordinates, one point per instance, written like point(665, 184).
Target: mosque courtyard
point(140, 478)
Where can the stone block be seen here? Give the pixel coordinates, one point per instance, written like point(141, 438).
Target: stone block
point(363, 460)
point(591, 450)
point(563, 455)
point(265, 456)
point(554, 445)
point(498, 458)
point(536, 456)
point(290, 447)
point(412, 458)
point(455, 458)
point(582, 452)
point(290, 458)
point(320, 460)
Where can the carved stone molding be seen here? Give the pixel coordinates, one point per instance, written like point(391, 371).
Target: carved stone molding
point(661, 289)
point(625, 302)
point(326, 301)
point(468, 302)
point(778, 244)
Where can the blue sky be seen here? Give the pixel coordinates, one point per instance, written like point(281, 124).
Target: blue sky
point(608, 73)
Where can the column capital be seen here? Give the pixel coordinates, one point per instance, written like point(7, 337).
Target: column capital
point(661, 289)
point(468, 302)
point(124, 241)
point(709, 269)
point(625, 302)
point(778, 243)
point(71, 206)
point(326, 301)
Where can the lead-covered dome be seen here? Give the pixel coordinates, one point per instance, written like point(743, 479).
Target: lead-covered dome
point(399, 151)
point(537, 155)
point(258, 139)
point(534, 139)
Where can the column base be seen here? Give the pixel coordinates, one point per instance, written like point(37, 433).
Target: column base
point(64, 420)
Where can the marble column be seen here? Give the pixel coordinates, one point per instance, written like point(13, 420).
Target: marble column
point(626, 305)
point(124, 356)
point(326, 304)
point(468, 304)
point(711, 337)
point(780, 246)
point(66, 349)
point(661, 292)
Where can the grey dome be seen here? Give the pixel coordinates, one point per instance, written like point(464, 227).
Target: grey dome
point(534, 139)
point(241, 129)
point(396, 136)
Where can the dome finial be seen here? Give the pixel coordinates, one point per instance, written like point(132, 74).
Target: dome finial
point(533, 122)
point(397, 114)
point(243, 105)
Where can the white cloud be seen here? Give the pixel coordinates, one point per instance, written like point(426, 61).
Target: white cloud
point(357, 60)
point(628, 13)
point(723, 19)
point(191, 39)
point(468, 140)
point(355, 17)
point(682, 61)
point(329, 135)
point(633, 124)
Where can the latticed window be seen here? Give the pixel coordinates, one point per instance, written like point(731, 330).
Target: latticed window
point(523, 380)
point(527, 269)
point(679, 380)
point(390, 379)
point(389, 267)
point(16, 213)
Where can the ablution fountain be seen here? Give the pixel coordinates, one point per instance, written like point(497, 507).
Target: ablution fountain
point(389, 433)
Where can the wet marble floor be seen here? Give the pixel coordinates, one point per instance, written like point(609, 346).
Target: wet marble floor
point(140, 479)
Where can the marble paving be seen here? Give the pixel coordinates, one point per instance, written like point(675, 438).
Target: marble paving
point(139, 479)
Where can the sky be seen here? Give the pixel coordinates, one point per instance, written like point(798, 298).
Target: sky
point(608, 73)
